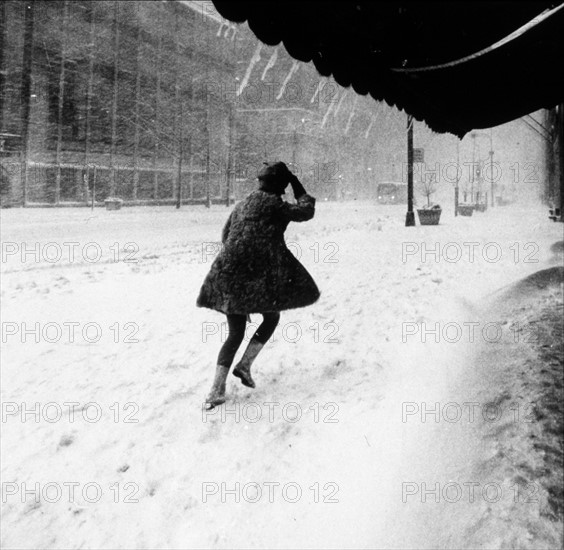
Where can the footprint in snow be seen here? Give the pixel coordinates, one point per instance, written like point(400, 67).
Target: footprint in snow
point(66, 441)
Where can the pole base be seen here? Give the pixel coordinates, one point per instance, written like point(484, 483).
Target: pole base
point(409, 219)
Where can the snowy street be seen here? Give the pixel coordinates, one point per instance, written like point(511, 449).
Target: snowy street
point(281, 275)
point(106, 362)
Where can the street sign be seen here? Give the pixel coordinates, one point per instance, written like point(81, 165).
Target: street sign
point(418, 155)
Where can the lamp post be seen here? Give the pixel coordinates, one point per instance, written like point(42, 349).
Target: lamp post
point(229, 176)
point(303, 120)
point(294, 146)
point(456, 187)
point(230, 161)
point(491, 169)
point(480, 172)
point(410, 215)
point(473, 135)
point(208, 152)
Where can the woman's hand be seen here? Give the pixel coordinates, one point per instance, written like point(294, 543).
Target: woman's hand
point(293, 180)
point(297, 187)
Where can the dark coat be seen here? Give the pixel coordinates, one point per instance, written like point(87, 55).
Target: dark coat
point(255, 272)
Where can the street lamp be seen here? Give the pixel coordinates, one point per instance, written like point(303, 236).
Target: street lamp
point(295, 139)
point(491, 169)
point(410, 215)
point(456, 188)
point(229, 180)
point(474, 135)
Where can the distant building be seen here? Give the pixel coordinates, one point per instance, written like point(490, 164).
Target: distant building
point(131, 99)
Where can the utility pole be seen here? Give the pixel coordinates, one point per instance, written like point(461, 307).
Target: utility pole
point(560, 138)
point(26, 92)
point(456, 187)
point(93, 188)
point(113, 147)
point(60, 104)
point(137, 101)
point(294, 147)
point(410, 215)
point(180, 150)
point(491, 169)
point(208, 152)
point(230, 154)
point(179, 118)
point(473, 134)
point(208, 129)
point(3, 68)
point(87, 115)
point(157, 122)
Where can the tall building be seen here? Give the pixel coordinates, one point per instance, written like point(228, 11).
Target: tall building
point(133, 99)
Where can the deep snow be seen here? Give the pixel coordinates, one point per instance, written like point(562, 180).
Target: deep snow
point(350, 364)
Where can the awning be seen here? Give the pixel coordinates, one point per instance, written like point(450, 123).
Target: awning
point(456, 65)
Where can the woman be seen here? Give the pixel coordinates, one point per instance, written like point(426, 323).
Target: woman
point(255, 272)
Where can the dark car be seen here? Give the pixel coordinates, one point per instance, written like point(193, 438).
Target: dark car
point(392, 192)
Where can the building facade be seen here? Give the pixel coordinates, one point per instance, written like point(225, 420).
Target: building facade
point(164, 102)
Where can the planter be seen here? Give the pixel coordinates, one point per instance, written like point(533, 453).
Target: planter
point(429, 216)
point(113, 204)
point(465, 209)
point(480, 207)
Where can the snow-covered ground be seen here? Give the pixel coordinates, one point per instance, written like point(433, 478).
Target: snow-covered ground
point(102, 420)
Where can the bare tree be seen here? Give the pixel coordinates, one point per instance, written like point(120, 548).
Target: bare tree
point(427, 186)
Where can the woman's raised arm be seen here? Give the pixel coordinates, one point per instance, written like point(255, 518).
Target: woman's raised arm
point(304, 210)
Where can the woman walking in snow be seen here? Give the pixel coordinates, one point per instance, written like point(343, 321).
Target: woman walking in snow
point(256, 273)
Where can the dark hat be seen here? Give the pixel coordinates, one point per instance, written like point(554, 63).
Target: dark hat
point(273, 171)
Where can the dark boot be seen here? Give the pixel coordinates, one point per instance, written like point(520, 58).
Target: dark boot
point(243, 369)
point(217, 393)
